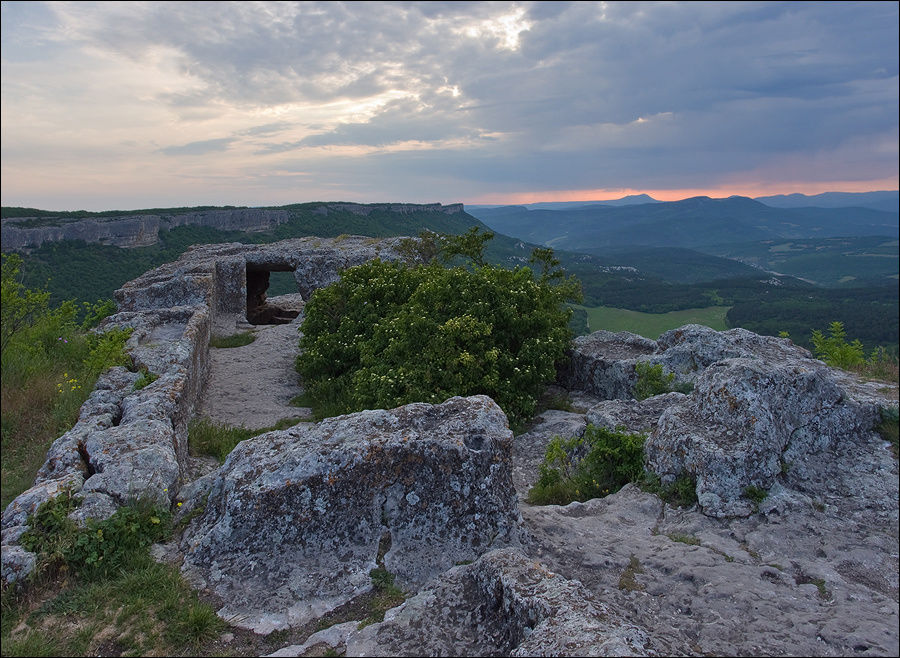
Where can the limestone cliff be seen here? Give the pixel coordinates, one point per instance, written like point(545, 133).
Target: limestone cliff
point(143, 230)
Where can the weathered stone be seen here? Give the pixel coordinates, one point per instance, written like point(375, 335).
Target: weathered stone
point(16, 563)
point(744, 421)
point(12, 534)
point(332, 639)
point(763, 585)
point(633, 415)
point(133, 462)
point(95, 506)
point(99, 412)
point(502, 604)
point(602, 363)
point(690, 349)
point(295, 518)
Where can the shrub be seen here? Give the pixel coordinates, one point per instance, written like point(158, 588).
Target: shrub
point(49, 366)
point(835, 350)
point(888, 427)
point(145, 379)
point(681, 492)
point(387, 334)
point(594, 465)
point(651, 380)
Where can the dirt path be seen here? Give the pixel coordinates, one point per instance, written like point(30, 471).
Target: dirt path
point(253, 385)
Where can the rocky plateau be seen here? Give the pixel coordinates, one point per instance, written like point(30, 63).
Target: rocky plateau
point(291, 525)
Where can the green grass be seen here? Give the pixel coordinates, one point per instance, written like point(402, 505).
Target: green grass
point(123, 603)
point(208, 438)
point(690, 540)
point(235, 340)
point(651, 325)
point(627, 580)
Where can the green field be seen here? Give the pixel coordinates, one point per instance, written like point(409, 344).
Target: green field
point(651, 325)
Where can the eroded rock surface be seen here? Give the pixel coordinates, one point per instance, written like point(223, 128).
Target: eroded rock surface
point(747, 421)
point(797, 579)
point(602, 363)
point(294, 519)
point(504, 604)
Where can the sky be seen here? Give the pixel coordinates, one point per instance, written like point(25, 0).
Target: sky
point(156, 104)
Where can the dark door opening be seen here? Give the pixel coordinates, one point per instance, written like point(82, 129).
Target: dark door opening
point(259, 310)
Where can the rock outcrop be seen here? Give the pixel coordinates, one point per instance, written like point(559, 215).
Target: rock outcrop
point(602, 363)
point(747, 421)
point(294, 519)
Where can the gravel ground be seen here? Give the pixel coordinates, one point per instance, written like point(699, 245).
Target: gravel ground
point(252, 385)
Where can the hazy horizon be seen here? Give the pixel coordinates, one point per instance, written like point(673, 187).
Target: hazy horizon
point(465, 203)
point(137, 105)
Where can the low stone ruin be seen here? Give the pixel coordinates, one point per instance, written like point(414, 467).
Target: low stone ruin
point(133, 444)
point(291, 524)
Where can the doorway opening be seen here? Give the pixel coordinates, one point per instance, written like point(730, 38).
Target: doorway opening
point(259, 309)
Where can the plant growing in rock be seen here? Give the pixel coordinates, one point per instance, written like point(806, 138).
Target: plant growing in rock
point(594, 465)
point(652, 380)
point(388, 334)
point(756, 494)
point(681, 492)
point(145, 379)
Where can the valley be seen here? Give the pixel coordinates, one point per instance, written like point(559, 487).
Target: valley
point(746, 264)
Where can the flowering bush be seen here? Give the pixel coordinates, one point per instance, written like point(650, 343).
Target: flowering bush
point(388, 334)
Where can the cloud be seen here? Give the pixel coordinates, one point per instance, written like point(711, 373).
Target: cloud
point(454, 96)
point(199, 148)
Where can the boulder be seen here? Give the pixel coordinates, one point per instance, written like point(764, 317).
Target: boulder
point(602, 363)
point(689, 350)
point(296, 519)
point(749, 420)
point(16, 563)
point(26, 503)
point(633, 415)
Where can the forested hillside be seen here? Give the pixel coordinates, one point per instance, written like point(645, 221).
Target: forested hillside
point(655, 280)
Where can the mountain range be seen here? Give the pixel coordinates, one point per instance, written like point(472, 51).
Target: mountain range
point(695, 223)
